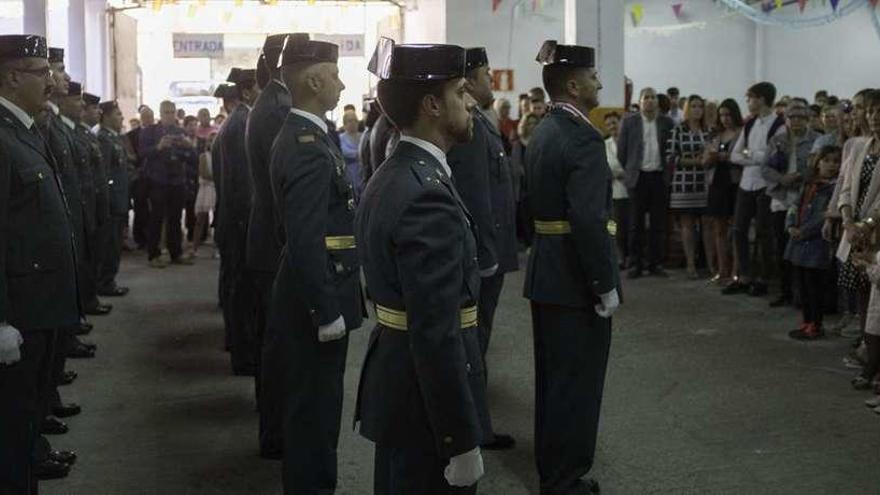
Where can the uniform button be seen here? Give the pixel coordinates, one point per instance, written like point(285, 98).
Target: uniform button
point(468, 367)
point(447, 440)
point(36, 266)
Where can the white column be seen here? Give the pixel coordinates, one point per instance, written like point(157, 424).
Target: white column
point(97, 48)
point(599, 24)
point(75, 57)
point(34, 17)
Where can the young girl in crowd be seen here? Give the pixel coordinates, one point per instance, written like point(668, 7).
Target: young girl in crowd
point(870, 262)
point(807, 251)
point(207, 196)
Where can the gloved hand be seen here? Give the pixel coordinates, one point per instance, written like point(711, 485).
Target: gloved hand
point(10, 341)
point(610, 303)
point(464, 469)
point(332, 331)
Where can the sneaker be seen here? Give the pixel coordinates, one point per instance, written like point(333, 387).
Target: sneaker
point(157, 263)
point(861, 383)
point(851, 363)
point(873, 402)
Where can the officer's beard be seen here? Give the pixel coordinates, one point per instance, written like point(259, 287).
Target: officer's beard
point(463, 133)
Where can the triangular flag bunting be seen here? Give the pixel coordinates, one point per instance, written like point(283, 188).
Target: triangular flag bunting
point(495, 4)
point(638, 12)
point(834, 4)
point(874, 3)
point(676, 8)
point(802, 4)
point(779, 4)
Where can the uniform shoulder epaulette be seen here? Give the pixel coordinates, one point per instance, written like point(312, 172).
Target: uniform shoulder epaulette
point(428, 173)
point(304, 135)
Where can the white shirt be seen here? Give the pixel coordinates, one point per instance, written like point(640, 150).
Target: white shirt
point(318, 121)
point(618, 188)
point(68, 122)
point(751, 161)
point(651, 160)
point(53, 107)
point(111, 131)
point(431, 148)
point(20, 114)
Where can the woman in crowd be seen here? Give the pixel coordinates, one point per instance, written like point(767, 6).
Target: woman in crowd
point(808, 253)
point(723, 177)
point(350, 142)
point(710, 116)
point(859, 204)
point(690, 194)
point(207, 196)
point(618, 189)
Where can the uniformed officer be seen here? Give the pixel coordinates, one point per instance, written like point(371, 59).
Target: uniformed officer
point(235, 203)
point(117, 168)
point(572, 279)
point(482, 174)
point(217, 173)
point(38, 294)
point(422, 396)
point(263, 242)
point(316, 298)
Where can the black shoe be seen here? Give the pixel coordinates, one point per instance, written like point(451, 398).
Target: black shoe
point(53, 426)
point(98, 310)
point(635, 273)
point(500, 442)
point(68, 377)
point(780, 302)
point(88, 345)
point(758, 289)
point(245, 371)
point(84, 328)
point(736, 287)
point(66, 410)
point(587, 486)
point(63, 456)
point(113, 292)
point(50, 470)
point(80, 351)
point(658, 272)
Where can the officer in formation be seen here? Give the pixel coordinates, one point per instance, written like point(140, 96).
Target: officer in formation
point(38, 292)
point(422, 394)
point(117, 168)
point(263, 244)
point(482, 174)
point(239, 306)
point(316, 297)
point(572, 279)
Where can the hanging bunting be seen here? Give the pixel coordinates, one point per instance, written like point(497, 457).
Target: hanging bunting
point(874, 3)
point(495, 4)
point(779, 4)
point(802, 4)
point(239, 3)
point(157, 5)
point(676, 8)
point(191, 10)
point(202, 3)
point(758, 16)
point(637, 12)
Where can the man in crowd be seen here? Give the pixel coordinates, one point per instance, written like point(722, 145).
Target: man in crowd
point(140, 186)
point(572, 285)
point(167, 155)
point(675, 112)
point(235, 203)
point(316, 298)
point(117, 167)
point(36, 304)
point(538, 102)
point(752, 201)
point(482, 174)
point(263, 248)
point(641, 150)
point(418, 247)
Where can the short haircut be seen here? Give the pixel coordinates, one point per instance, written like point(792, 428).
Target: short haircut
point(672, 91)
point(645, 90)
point(735, 113)
point(188, 119)
point(664, 103)
point(816, 109)
point(400, 100)
point(523, 96)
point(348, 107)
point(765, 91)
point(821, 94)
point(611, 115)
point(537, 93)
point(826, 150)
point(833, 100)
point(555, 78)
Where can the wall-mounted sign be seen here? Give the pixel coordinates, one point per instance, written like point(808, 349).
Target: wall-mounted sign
point(187, 45)
point(502, 79)
point(350, 45)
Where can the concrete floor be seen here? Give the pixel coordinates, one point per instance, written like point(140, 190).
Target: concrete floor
point(705, 394)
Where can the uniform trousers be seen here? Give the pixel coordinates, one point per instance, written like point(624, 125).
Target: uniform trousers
point(267, 386)
point(408, 470)
point(240, 306)
point(86, 253)
point(312, 403)
point(571, 357)
point(112, 242)
point(140, 195)
point(166, 206)
point(490, 291)
point(24, 387)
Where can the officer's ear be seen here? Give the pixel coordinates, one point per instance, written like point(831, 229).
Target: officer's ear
point(431, 104)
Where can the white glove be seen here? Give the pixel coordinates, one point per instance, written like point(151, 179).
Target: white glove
point(10, 341)
point(332, 331)
point(464, 469)
point(610, 303)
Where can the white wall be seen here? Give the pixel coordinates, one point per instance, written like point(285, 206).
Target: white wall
point(512, 36)
point(425, 22)
point(713, 53)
